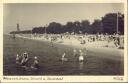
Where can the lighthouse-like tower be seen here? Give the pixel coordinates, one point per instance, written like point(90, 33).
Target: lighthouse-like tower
point(18, 28)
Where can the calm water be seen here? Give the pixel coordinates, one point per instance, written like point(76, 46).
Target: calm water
point(49, 60)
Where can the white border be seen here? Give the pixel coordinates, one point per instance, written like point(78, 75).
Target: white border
point(1, 42)
point(64, 1)
point(65, 78)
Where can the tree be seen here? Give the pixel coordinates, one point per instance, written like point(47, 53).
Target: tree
point(96, 26)
point(54, 28)
point(38, 30)
point(121, 23)
point(109, 22)
point(77, 27)
point(85, 26)
point(69, 27)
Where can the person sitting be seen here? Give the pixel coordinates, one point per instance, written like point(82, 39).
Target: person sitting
point(35, 64)
point(64, 58)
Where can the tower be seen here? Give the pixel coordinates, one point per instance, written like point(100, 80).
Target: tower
point(18, 29)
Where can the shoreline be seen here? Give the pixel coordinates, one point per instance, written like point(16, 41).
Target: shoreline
point(87, 46)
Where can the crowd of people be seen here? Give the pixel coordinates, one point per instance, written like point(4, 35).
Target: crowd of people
point(115, 39)
point(80, 55)
point(23, 59)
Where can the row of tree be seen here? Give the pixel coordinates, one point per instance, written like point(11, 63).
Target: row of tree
point(107, 24)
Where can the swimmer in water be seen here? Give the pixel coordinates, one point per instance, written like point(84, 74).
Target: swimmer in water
point(64, 58)
point(35, 64)
point(81, 57)
point(25, 59)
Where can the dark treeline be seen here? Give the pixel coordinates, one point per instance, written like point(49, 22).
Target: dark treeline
point(107, 24)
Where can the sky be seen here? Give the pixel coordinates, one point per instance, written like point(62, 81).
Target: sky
point(30, 15)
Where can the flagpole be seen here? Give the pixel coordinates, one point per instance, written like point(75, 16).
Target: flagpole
point(45, 29)
point(117, 23)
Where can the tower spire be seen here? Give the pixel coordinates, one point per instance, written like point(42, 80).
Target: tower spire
point(18, 29)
